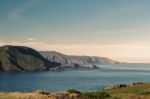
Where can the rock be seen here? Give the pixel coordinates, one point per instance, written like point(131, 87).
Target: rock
point(94, 67)
point(57, 68)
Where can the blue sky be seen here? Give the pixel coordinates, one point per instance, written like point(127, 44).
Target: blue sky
point(84, 22)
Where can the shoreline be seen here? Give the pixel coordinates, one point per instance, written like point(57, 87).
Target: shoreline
point(137, 89)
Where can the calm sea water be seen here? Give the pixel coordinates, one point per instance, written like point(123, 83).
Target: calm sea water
point(82, 80)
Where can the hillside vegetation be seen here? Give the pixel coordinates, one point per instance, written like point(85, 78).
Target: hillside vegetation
point(70, 60)
point(20, 58)
point(133, 91)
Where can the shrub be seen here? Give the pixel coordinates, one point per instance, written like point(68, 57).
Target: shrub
point(73, 91)
point(145, 92)
point(116, 97)
point(42, 92)
point(95, 95)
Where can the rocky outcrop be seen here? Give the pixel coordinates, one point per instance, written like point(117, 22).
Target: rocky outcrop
point(69, 60)
point(20, 58)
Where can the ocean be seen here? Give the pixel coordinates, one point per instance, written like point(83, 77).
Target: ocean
point(80, 79)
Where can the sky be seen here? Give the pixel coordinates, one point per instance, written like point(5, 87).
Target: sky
point(118, 29)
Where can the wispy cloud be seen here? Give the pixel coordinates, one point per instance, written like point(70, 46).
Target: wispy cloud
point(131, 52)
point(30, 39)
point(16, 14)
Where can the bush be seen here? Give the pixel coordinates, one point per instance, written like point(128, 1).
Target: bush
point(116, 97)
point(73, 91)
point(91, 95)
point(95, 95)
point(145, 92)
point(42, 92)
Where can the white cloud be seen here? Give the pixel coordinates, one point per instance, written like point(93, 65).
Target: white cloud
point(133, 52)
point(30, 39)
point(15, 13)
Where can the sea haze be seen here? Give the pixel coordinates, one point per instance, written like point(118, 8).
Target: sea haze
point(82, 79)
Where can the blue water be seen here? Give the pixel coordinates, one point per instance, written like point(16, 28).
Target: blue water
point(82, 80)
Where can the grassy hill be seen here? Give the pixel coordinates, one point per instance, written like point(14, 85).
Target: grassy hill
point(141, 91)
point(137, 91)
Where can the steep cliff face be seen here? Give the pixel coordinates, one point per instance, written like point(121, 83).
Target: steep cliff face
point(81, 60)
point(20, 58)
point(1, 69)
point(55, 56)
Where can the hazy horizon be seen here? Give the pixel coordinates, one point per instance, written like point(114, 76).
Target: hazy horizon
point(115, 29)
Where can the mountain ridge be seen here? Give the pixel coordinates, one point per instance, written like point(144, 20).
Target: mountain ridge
point(21, 58)
point(81, 60)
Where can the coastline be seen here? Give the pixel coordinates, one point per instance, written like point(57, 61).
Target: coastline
point(138, 90)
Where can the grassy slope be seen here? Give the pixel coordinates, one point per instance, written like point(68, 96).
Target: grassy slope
point(34, 95)
point(132, 92)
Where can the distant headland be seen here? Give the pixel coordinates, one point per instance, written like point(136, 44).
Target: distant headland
point(21, 58)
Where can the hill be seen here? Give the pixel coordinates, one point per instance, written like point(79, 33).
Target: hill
point(81, 60)
point(20, 58)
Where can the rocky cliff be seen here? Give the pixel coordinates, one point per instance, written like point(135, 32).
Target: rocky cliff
point(20, 58)
point(81, 60)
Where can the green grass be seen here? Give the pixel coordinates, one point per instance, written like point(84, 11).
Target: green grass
point(132, 92)
point(141, 91)
point(73, 91)
point(145, 92)
point(96, 95)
